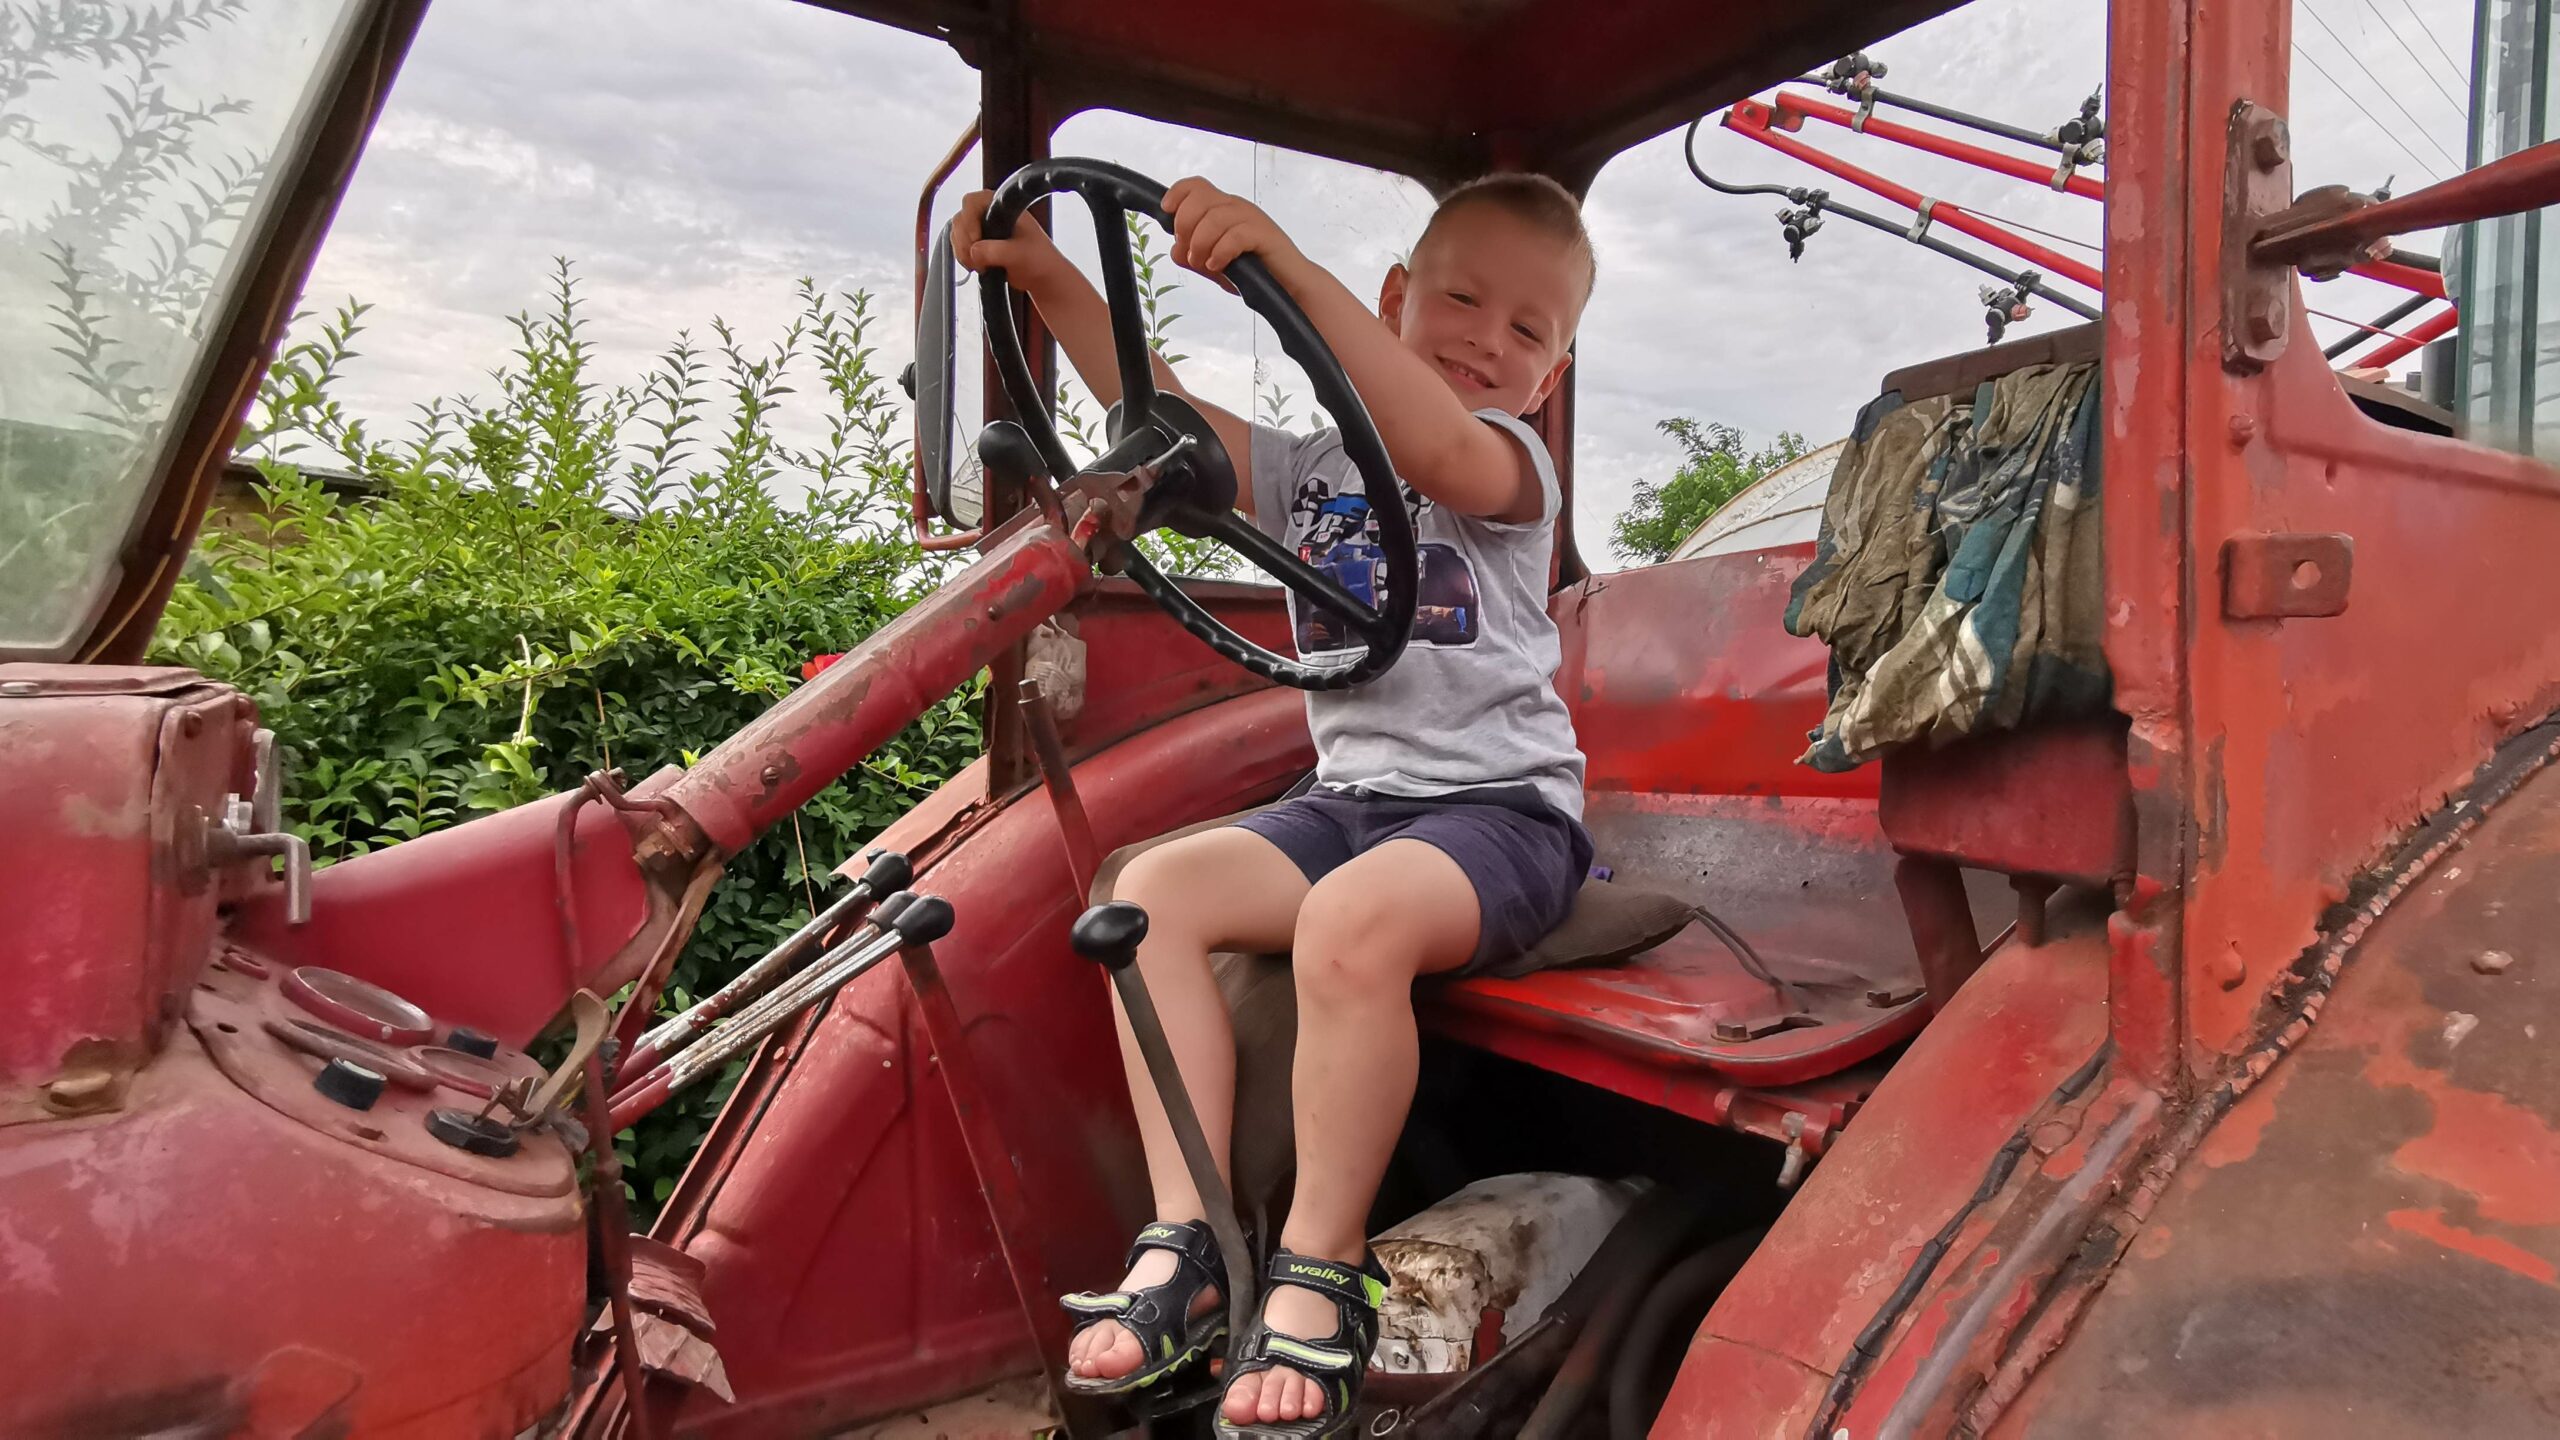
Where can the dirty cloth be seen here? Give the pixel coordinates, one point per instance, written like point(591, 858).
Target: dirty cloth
point(1957, 577)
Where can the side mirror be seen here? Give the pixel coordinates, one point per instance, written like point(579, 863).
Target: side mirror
point(953, 481)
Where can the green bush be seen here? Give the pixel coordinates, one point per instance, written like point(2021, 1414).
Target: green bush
point(1714, 467)
point(569, 577)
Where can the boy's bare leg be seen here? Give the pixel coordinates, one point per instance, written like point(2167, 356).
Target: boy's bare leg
point(1367, 930)
point(1224, 889)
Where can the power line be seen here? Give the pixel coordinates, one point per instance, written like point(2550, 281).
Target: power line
point(2377, 84)
point(2460, 111)
point(2386, 130)
point(2461, 76)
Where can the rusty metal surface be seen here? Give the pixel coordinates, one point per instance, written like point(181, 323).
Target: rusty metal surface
point(811, 737)
point(2047, 800)
point(2293, 576)
point(168, 1262)
point(108, 782)
point(2369, 1243)
point(1915, 1154)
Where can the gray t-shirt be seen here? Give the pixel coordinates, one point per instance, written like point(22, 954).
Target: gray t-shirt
point(1472, 703)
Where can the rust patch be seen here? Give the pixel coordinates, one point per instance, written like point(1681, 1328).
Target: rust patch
point(2431, 1226)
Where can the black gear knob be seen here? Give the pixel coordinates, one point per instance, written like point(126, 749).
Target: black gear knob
point(923, 920)
point(1109, 934)
point(1009, 453)
point(889, 872)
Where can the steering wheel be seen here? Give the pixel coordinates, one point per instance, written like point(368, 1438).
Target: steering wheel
point(1195, 490)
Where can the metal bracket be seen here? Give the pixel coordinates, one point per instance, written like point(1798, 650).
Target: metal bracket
point(2286, 576)
point(2257, 183)
point(1921, 215)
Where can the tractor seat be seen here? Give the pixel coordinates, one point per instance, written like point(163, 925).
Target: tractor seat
point(1635, 995)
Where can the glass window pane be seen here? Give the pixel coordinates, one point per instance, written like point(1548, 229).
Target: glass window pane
point(137, 140)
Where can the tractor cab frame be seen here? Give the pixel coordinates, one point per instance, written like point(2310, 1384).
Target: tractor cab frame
point(2084, 1040)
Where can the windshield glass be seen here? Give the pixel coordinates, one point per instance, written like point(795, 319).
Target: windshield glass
point(138, 143)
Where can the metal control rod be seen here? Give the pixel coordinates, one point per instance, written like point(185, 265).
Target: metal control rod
point(1108, 935)
point(888, 873)
point(901, 920)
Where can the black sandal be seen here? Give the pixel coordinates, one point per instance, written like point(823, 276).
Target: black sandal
point(1158, 1316)
point(1338, 1362)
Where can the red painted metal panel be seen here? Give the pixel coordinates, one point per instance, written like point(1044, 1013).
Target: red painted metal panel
point(1682, 679)
point(1915, 1156)
point(107, 780)
point(2369, 1243)
point(856, 1183)
point(165, 1264)
point(494, 962)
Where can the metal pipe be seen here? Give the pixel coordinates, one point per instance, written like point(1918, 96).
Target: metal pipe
point(889, 872)
point(785, 756)
point(1952, 116)
point(2409, 342)
point(639, 1097)
point(1751, 120)
point(1788, 103)
point(2527, 180)
point(1800, 195)
point(2366, 330)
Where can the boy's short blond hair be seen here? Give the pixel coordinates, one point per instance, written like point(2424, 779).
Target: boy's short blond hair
point(1527, 196)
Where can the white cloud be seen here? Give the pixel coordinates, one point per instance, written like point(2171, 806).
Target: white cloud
point(694, 158)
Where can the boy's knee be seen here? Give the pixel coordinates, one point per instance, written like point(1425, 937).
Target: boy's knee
point(1351, 942)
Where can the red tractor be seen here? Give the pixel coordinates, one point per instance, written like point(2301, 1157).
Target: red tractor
point(2180, 1064)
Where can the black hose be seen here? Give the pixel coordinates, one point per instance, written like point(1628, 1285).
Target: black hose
point(1691, 1286)
point(1665, 1224)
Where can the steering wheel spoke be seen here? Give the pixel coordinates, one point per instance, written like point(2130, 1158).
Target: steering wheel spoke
point(1312, 585)
point(1112, 194)
point(1120, 288)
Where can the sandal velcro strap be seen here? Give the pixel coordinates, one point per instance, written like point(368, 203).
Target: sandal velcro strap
point(1158, 1317)
point(1364, 1286)
point(1193, 1240)
point(1338, 1363)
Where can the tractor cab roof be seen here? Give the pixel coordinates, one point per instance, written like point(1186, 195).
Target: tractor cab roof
point(1440, 89)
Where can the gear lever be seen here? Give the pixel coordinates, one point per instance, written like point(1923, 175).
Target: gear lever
point(1108, 935)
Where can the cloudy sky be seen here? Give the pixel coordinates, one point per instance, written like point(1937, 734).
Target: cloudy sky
point(693, 158)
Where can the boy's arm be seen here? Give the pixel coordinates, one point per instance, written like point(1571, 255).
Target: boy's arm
point(1439, 447)
point(1080, 318)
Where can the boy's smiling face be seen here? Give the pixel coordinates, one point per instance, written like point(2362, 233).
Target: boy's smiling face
point(1491, 300)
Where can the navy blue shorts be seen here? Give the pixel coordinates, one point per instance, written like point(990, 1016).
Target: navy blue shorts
point(1525, 859)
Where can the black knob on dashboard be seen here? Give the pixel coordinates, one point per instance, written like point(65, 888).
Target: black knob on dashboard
point(471, 1042)
point(349, 1084)
point(1109, 934)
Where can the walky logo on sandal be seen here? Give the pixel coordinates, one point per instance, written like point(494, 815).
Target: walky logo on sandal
point(1160, 1232)
point(1320, 1272)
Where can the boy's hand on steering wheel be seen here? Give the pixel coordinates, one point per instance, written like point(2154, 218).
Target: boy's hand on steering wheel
point(1211, 228)
point(1028, 258)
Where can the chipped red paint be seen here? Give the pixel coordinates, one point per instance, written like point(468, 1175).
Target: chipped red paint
point(2371, 1232)
point(1683, 680)
point(758, 776)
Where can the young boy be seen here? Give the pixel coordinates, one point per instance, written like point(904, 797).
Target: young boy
point(1444, 831)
